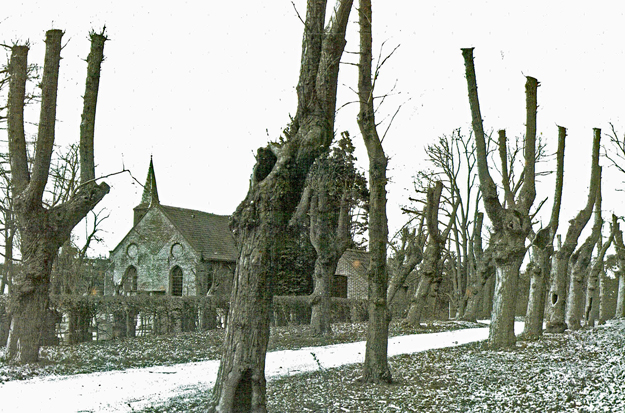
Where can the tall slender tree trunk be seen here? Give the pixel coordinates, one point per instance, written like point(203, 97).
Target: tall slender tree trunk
point(376, 368)
point(275, 190)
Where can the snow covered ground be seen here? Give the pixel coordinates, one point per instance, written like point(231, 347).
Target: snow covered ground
point(135, 389)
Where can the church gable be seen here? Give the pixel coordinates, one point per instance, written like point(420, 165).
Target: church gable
point(154, 247)
point(172, 250)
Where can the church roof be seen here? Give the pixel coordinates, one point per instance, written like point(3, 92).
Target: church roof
point(209, 234)
point(353, 262)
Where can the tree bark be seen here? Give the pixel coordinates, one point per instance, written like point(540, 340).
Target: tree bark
point(275, 190)
point(580, 261)
point(620, 272)
point(593, 293)
point(542, 248)
point(559, 269)
point(430, 266)
point(512, 224)
point(376, 368)
point(42, 230)
point(483, 272)
point(620, 297)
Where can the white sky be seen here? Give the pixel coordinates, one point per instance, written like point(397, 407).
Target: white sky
point(201, 85)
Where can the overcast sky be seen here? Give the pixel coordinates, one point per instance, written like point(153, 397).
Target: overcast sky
point(201, 85)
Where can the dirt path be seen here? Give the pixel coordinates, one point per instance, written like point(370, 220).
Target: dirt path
point(135, 389)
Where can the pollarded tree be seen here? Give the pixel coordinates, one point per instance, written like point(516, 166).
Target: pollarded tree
point(593, 294)
point(620, 270)
point(407, 254)
point(511, 223)
point(454, 161)
point(556, 303)
point(44, 229)
point(483, 269)
point(276, 187)
point(334, 188)
point(539, 267)
point(431, 267)
point(579, 265)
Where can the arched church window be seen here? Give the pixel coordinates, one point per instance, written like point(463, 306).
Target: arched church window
point(176, 281)
point(130, 280)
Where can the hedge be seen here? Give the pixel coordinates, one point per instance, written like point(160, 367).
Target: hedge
point(129, 316)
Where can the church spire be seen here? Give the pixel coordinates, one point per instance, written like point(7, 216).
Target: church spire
point(150, 191)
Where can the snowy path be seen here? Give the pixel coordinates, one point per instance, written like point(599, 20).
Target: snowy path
point(134, 389)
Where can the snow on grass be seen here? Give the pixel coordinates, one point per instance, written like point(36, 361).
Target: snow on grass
point(136, 389)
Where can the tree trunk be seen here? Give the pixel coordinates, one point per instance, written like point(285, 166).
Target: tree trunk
point(559, 271)
point(511, 225)
point(260, 220)
point(603, 306)
point(43, 230)
point(501, 333)
point(581, 263)
point(542, 247)
point(376, 368)
point(483, 271)
point(321, 317)
point(486, 306)
point(620, 297)
point(539, 271)
point(418, 302)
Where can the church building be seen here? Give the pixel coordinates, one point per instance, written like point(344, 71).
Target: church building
point(172, 251)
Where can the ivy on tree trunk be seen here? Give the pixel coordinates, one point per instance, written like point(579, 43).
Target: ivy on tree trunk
point(260, 220)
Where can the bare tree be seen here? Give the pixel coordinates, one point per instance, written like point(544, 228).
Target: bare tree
point(406, 256)
point(560, 262)
point(580, 263)
point(453, 157)
point(539, 267)
point(483, 269)
point(512, 223)
point(333, 190)
point(376, 368)
point(275, 190)
point(431, 266)
point(620, 272)
point(593, 294)
point(43, 230)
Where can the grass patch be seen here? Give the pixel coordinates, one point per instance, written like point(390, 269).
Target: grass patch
point(580, 371)
point(178, 348)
